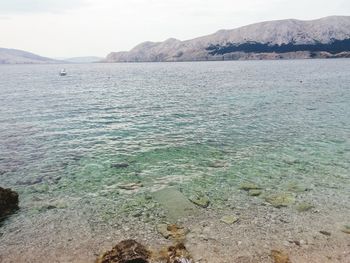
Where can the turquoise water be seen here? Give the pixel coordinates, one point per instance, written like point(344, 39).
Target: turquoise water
point(200, 127)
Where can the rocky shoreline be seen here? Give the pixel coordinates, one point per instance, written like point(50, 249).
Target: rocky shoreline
point(251, 225)
point(224, 221)
point(257, 229)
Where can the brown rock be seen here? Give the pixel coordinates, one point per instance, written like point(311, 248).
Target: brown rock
point(175, 254)
point(280, 257)
point(172, 231)
point(127, 251)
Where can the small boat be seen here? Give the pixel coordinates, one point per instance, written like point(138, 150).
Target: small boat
point(63, 72)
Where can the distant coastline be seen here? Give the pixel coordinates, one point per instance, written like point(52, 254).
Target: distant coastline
point(327, 37)
point(230, 56)
point(242, 56)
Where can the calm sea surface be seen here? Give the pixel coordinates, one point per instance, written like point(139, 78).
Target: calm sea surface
point(200, 127)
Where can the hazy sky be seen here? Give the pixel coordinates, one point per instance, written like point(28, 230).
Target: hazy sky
point(66, 28)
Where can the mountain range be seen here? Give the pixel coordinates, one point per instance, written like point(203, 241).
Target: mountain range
point(327, 37)
point(15, 56)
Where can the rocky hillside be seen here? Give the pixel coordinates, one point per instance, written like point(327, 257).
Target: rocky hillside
point(326, 37)
point(15, 56)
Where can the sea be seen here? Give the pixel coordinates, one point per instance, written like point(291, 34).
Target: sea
point(86, 151)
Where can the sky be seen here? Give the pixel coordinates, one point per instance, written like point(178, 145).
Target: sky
point(71, 28)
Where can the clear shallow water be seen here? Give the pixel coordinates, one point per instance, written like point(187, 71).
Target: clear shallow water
point(202, 127)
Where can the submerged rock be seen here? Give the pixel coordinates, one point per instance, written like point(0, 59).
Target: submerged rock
point(280, 200)
point(39, 180)
point(175, 204)
point(229, 219)
point(127, 251)
point(30, 181)
point(172, 231)
point(296, 188)
point(130, 186)
point(8, 201)
point(47, 207)
point(41, 188)
point(254, 192)
point(279, 257)
point(217, 164)
point(303, 207)
point(249, 186)
point(291, 160)
point(200, 200)
point(119, 165)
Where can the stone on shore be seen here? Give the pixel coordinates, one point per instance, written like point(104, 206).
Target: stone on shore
point(229, 219)
point(346, 229)
point(326, 233)
point(303, 207)
point(280, 257)
point(172, 231)
point(8, 201)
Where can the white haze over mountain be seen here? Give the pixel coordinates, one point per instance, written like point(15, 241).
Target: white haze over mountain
point(69, 28)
